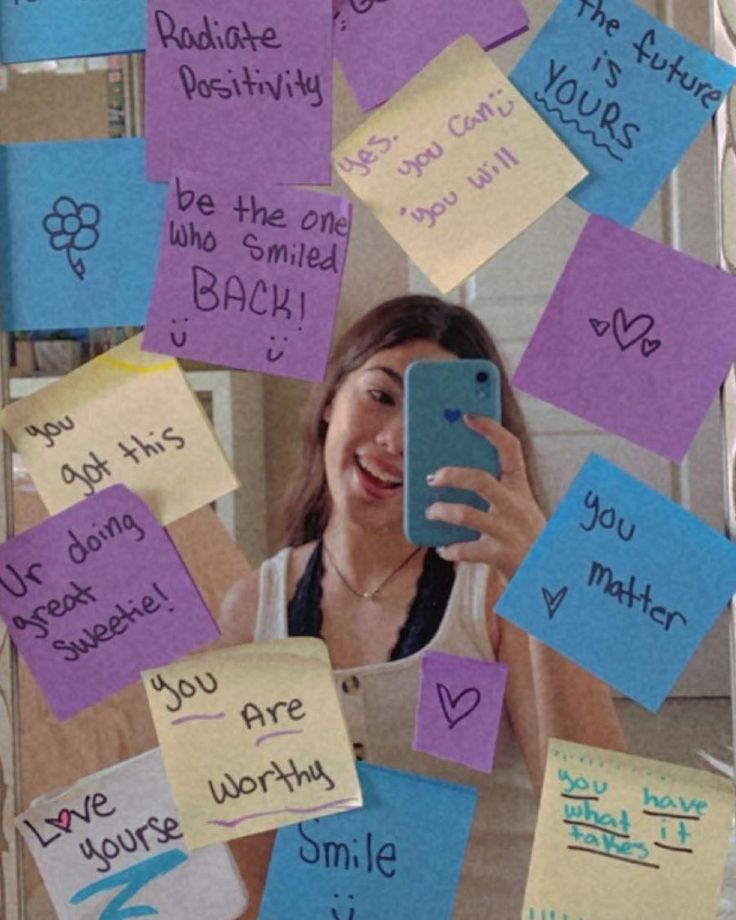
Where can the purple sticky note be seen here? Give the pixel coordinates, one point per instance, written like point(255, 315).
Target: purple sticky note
point(95, 595)
point(637, 338)
point(249, 275)
point(382, 45)
point(240, 84)
point(459, 709)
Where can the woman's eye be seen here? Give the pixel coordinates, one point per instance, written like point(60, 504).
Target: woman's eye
point(381, 396)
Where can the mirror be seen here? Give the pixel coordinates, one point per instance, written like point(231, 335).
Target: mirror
point(256, 418)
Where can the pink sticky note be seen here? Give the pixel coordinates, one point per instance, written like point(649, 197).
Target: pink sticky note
point(637, 338)
point(382, 45)
point(240, 84)
point(459, 709)
point(95, 595)
point(249, 275)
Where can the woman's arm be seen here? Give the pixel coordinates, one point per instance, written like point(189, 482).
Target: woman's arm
point(547, 695)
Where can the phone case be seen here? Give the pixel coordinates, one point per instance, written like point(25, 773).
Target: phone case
point(437, 393)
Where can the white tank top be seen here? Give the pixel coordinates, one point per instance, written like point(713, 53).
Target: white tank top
point(379, 702)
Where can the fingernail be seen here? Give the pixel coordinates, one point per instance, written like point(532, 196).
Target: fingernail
point(470, 417)
point(430, 478)
point(441, 551)
point(429, 513)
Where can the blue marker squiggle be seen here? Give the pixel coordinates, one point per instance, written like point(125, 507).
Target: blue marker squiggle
point(131, 880)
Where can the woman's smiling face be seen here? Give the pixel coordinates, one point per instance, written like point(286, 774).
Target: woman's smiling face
point(364, 445)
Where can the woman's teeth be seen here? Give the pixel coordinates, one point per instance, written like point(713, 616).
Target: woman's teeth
point(383, 477)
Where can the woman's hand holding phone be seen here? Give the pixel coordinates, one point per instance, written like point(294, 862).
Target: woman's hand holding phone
point(513, 520)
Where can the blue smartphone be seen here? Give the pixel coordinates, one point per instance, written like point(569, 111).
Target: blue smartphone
point(436, 394)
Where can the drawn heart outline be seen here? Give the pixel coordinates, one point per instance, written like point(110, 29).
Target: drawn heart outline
point(63, 820)
point(447, 701)
point(649, 346)
point(553, 601)
point(452, 415)
point(624, 330)
point(600, 326)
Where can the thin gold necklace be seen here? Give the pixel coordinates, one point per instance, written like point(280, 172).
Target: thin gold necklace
point(368, 595)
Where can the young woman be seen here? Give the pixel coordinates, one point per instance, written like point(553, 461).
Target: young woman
point(348, 575)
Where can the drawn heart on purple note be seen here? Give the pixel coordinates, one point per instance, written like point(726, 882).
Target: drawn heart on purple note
point(457, 708)
point(649, 346)
point(452, 415)
point(600, 326)
point(63, 820)
point(628, 332)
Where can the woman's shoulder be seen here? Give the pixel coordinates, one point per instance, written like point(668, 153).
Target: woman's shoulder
point(239, 611)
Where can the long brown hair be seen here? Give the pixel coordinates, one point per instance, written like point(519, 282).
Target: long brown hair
point(403, 319)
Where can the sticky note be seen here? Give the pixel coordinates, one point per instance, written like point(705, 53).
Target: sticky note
point(42, 30)
point(659, 833)
point(623, 581)
point(240, 85)
point(381, 46)
point(129, 417)
point(111, 845)
point(626, 93)
point(94, 595)
point(252, 738)
point(456, 165)
point(459, 709)
point(636, 338)
point(79, 226)
point(399, 856)
point(249, 275)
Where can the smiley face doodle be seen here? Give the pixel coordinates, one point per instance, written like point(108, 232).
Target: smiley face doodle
point(178, 339)
point(340, 913)
point(271, 354)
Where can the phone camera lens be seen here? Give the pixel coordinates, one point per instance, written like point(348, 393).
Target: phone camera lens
point(481, 377)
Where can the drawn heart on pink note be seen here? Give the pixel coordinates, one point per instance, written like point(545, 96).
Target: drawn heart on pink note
point(600, 326)
point(453, 708)
point(649, 346)
point(629, 332)
point(63, 820)
point(452, 415)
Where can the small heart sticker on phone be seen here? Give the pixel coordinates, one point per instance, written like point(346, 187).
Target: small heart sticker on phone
point(452, 415)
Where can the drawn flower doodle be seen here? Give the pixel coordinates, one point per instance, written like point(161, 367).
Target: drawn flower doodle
point(72, 227)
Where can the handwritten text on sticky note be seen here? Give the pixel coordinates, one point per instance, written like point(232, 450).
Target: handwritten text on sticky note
point(626, 317)
point(111, 846)
point(653, 836)
point(253, 738)
point(457, 164)
point(95, 594)
point(129, 417)
point(240, 85)
point(623, 581)
point(399, 856)
point(249, 275)
point(626, 93)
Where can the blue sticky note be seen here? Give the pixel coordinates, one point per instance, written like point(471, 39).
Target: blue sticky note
point(626, 93)
point(79, 234)
point(399, 856)
point(623, 581)
point(41, 30)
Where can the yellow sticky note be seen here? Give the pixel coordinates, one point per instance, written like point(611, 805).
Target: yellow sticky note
point(128, 417)
point(620, 836)
point(253, 738)
point(457, 164)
